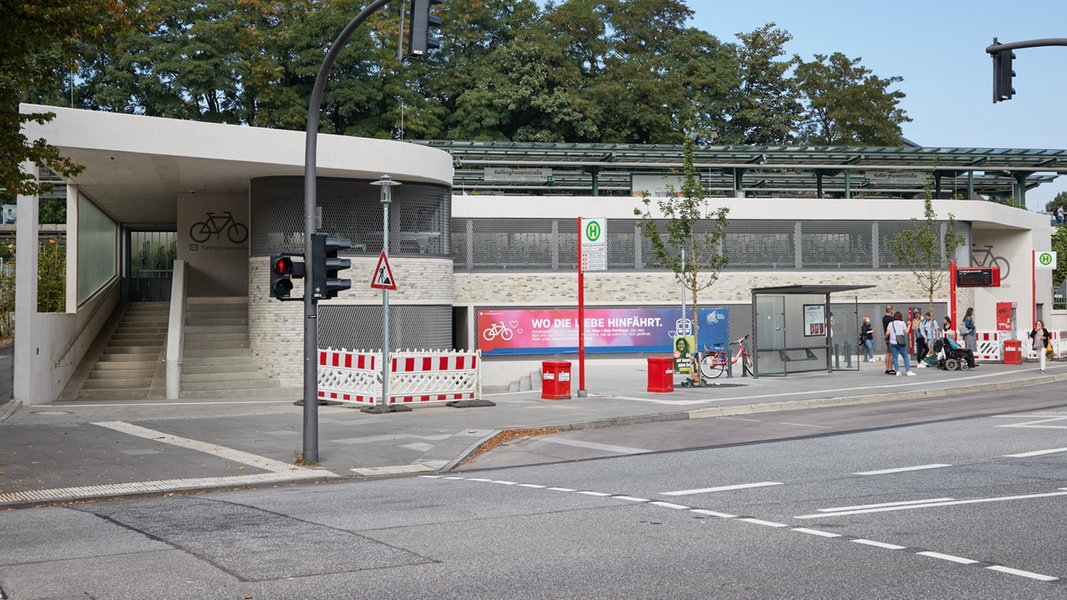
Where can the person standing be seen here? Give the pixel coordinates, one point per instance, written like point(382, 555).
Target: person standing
point(867, 338)
point(898, 344)
point(1059, 215)
point(887, 318)
point(921, 345)
point(1040, 338)
point(930, 331)
point(970, 334)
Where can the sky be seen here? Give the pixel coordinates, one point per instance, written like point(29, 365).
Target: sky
point(938, 47)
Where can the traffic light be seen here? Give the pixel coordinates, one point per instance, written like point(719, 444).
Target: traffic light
point(325, 283)
point(419, 40)
point(283, 270)
point(1002, 75)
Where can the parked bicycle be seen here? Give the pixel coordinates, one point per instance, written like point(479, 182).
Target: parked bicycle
point(714, 362)
point(215, 224)
point(988, 259)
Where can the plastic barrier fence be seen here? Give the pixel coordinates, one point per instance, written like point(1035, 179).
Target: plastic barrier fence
point(414, 376)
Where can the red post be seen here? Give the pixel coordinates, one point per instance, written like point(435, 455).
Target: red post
point(581, 316)
point(952, 293)
point(1033, 288)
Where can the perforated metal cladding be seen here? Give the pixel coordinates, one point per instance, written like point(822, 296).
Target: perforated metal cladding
point(360, 327)
point(552, 244)
point(419, 216)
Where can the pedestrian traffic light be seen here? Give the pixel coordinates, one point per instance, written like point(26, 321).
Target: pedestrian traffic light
point(325, 284)
point(283, 270)
point(1002, 75)
point(419, 39)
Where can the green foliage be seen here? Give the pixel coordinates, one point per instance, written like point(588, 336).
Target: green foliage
point(689, 229)
point(7, 299)
point(1059, 246)
point(52, 278)
point(1058, 201)
point(767, 108)
point(846, 104)
point(923, 250)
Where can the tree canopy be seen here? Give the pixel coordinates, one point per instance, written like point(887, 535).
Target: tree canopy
point(622, 71)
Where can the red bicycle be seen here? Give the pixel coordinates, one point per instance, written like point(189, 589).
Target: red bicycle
point(714, 362)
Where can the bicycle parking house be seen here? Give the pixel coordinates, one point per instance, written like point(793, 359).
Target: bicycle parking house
point(794, 330)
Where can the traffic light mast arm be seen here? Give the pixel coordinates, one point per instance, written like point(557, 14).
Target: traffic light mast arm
point(1002, 63)
point(998, 47)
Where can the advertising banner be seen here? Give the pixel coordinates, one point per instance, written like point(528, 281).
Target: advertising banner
point(555, 331)
point(714, 326)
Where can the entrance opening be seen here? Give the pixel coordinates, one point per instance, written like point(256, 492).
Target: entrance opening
point(150, 265)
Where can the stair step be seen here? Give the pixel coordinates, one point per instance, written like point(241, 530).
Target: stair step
point(225, 377)
point(199, 348)
point(114, 383)
point(237, 360)
point(225, 336)
point(242, 384)
point(280, 393)
point(115, 394)
point(142, 358)
point(142, 372)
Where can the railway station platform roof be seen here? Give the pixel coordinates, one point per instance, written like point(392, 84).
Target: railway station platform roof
point(757, 171)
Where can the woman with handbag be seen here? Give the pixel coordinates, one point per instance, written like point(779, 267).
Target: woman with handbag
point(898, 343)
point(1042, 342)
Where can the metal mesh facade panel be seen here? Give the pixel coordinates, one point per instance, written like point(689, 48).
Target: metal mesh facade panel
point(836, 245)
point(552, 244)
point(360, 327)
point(419, 216)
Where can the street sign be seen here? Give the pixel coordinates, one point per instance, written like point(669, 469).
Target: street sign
point(594, 245)
point(1045, 260)
point(383, 275)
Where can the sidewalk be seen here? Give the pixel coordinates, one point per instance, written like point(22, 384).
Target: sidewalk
point(98, 449)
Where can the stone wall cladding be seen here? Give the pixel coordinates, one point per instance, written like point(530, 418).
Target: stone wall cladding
point(276, 328)
point(660, 288)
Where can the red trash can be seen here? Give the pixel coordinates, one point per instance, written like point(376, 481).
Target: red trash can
point(660, 374)
point(1013, 352)
point(555, 380)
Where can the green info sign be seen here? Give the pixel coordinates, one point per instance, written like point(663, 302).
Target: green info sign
point(684, 346)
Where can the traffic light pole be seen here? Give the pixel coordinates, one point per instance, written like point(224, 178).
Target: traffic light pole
point(310, 452)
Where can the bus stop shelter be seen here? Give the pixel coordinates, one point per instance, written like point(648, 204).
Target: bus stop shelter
point(795, 331)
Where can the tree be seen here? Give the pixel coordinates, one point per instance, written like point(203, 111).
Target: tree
point(924, 249)
point(688, 229)
point(846, 104)
point(1058, 201)
point(766, 110)
point(35, 37)
point(1059, 246)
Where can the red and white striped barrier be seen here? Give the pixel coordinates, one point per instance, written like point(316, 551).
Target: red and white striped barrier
point(990, 345)
point(1059, 344)
point(415, 377)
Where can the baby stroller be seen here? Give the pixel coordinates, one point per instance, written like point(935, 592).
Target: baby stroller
point(950, 357)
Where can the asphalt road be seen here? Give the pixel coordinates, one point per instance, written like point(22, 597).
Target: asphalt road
point(957, 508)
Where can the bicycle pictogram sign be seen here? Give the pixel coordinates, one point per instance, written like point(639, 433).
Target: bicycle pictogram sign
point(215, 224)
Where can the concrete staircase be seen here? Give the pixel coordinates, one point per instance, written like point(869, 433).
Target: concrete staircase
point(133, 356)
point(217, 362)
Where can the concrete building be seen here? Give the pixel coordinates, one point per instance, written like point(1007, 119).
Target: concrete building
point(165, 203)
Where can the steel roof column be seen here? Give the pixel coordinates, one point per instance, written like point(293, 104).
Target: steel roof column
point(848, 185)
point(970, 185)
point(739, 175)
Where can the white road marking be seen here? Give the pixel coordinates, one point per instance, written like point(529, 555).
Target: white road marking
point(722, 488)
point(1038, 424)
point(879, 544)
point(669, 505)
point(948, 557)
point(903, 503)
point(762, 522)
point(711, 513)
point(1036, 453)
point(1021, 573)
point(245, 458)
point(903, 469)
point(806, 425)
point(815, 532)
point(930, 505)
point(590, 445)
point(825, 534)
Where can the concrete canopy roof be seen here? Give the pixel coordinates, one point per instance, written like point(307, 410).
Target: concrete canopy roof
point(135, 166)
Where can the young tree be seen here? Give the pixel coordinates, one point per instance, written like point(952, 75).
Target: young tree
point(924, 249)
point(690, 229)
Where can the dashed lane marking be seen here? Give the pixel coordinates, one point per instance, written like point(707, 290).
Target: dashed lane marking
point(722, 488)
point(773, 524)
point(903, 469)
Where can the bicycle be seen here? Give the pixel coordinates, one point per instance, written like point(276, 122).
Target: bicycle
point(990, 260)
point(215, 224)
point(714, 362)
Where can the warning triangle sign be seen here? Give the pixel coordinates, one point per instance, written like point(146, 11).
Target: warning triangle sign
point(383, 275)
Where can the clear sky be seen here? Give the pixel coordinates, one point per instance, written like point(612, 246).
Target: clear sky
point(938, 47)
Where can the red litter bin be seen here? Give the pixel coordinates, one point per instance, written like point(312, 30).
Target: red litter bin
point(660, 374)
point(1013, 352)
point(555, 380)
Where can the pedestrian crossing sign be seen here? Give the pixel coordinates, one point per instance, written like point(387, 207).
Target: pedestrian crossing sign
point(383, 275)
